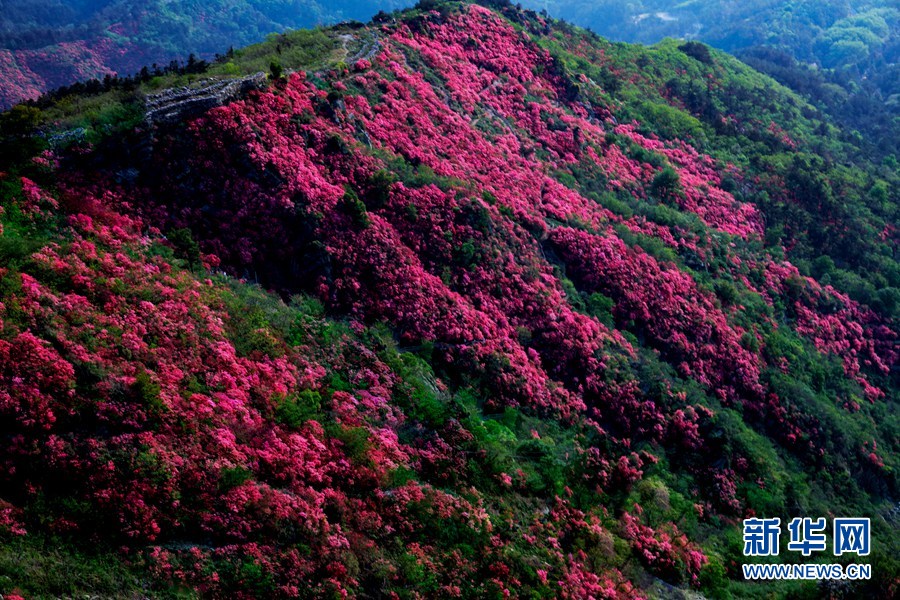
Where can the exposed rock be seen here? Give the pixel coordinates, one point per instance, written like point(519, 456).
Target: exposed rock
point(174, 104)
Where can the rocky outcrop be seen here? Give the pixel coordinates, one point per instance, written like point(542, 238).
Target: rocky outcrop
point(175, 104)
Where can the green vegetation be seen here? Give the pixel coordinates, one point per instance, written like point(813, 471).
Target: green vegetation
point(842, 56)
point(44, 568)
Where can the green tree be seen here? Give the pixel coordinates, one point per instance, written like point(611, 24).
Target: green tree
point(666, 185)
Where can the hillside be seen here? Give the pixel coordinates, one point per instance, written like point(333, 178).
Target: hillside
point(842, 55)
point(45, 44)
point(462, 302)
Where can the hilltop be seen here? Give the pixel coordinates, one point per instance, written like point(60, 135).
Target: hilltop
point(463, 302)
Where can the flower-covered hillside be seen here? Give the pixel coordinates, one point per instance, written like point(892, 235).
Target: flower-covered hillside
point(528, 331)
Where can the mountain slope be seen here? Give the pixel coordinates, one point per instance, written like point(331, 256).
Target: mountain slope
point(841, 55)
point(539, 330)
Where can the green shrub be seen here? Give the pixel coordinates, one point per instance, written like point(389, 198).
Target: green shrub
point(232, 477)
point(355, 208)
point(186, 248)
point(666, 184)
point(298, 408)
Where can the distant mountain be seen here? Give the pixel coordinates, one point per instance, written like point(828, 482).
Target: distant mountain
point(463, 302)
point(842, 54)
point(835, 33)
point(48, 43)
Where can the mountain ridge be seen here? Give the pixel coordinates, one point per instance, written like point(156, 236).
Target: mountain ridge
point(45, 44)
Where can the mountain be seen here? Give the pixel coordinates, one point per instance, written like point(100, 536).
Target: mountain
point(842, 55)
point(45, 44)
point(462, 302)
point(813, 31)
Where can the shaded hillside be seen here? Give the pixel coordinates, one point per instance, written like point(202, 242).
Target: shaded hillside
point(546, 317)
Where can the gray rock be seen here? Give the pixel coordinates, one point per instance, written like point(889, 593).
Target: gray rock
point(176, 104)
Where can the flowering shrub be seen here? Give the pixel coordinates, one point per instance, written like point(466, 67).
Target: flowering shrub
point(666, 553)
point(668, 306)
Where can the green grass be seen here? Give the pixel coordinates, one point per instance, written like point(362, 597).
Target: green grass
point(41, 568)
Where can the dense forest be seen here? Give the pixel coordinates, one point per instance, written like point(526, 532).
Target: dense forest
point(464, 301)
